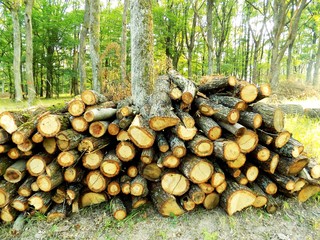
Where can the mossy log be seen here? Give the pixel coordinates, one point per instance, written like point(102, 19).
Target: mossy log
point(50, 145)
point(5, 162)
point(8, 214)
point(4, 136)
point(51, 124)
point(68, 139)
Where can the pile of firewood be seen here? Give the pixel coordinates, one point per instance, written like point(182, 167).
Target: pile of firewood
point(212, 144)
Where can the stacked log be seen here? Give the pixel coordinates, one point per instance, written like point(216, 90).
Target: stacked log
point(209, 145)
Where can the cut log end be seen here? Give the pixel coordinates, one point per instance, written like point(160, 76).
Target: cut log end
point(239, 200)
point(278, 120)
point(249, 93)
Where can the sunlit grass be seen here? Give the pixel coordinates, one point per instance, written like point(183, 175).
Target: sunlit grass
point(9, 104)
point(307, 131)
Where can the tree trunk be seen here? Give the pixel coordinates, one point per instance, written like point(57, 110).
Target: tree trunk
point(95, 45)
point(210, 36)
point(123, 52)
point(316, 71)
point(16, 50)
point(29, 52)
point(141, 50)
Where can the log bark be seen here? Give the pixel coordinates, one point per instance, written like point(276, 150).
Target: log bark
point(10, 121)
point(236, 197)
point(73, 192)
point(230, 102)
point(25, 188)
point(213, 84)
point(68, 139)
point(7, 192)
point(197, 170)
point(218, 176)
point(151, 171)
point(264, 90)
point(50, 145)
point(147, 155)
point(91, 97)
point(99, 114)
point(261, 197)
point(250, 119)
point(5, 162)
point(312, 112)
point(113, 127)
point(118, 209)
point(291, 166)
point(235, 129)
point(18, 225)
point(293, 148)
point(168, 160)
point(90, 144)
point(313, 168)
point(187, 86)
point(50, 124)
point(174, 183)
point(200, 146)
point(196, 194)
point(57, 213)
point(226, 149)
point(162, 142)
point(260, 153)
point(138, 202)
point(16, 171)
point(47, 183)
point(139, 187)
point(269, 165)
point(273, 117)
point(5, 148)
point(177, 146)
point(209, 127)
point(26, 146)
point(40, 199)
point(165, 203)
point(9, 214)
point(4, 136)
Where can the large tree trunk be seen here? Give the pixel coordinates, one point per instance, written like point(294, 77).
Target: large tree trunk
point(95, 44)
point(141, 50)
point(16, 50)
point(82, 46)
point(29, 52)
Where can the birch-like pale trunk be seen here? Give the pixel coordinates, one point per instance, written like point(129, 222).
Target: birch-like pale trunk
point(29, 52)
point(141, 25)
point(95, 44)
point(316, 72)
point(16, 51)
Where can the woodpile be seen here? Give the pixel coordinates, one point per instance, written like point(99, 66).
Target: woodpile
point(213, 144)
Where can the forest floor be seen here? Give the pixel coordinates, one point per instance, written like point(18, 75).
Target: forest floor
point(293, 221)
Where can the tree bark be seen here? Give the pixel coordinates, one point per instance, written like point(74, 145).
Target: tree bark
point(141, 50)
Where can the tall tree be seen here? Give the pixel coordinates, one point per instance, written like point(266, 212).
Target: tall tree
point(95, 44)
point(29, 51)
point(280, 10)
point(141, 26)
point(210, 36)
point(123, 52)
point(316, 73)
point(82, 45)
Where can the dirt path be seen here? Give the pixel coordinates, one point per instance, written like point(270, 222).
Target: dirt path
point(293, 221)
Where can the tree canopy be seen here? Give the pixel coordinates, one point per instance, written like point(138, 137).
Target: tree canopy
point(256, 40)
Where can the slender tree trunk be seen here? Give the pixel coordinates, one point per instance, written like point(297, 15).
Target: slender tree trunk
point(16, 51)
point(82, 46)
point(141, 50)
point(123, 52)
point(289, 61)
point(29, 52)
point(309, 79)
point(75, 85)
point(49, 65)
point(210, 36)
point(316, 75)
point(95, 44)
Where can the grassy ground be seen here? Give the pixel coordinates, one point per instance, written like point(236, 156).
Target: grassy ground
point(293, 220)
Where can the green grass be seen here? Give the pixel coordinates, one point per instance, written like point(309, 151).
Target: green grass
point(307, 131)
point(9, 104)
